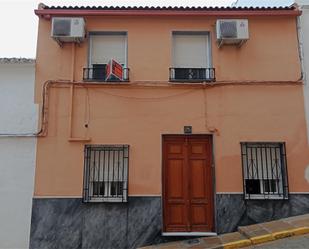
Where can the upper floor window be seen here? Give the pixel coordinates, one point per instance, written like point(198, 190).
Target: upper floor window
point(191, 57)
point(264, 170)
point(104, 48)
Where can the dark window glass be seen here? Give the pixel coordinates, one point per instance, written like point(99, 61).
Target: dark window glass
point(98, 188)
point(270, 186)
point(253, 187)
point(190, 74)
point(116, 188)
point(99, 71)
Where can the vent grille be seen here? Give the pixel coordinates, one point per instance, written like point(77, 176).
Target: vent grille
point(62, 27)
point(228, 29)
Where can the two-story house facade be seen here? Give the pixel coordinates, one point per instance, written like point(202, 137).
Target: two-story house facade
point(189, 136)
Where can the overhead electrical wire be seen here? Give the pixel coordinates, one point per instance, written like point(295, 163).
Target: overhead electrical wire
point(47, 83)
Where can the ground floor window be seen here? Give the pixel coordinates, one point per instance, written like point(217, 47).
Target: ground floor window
point(106, 173)
point(264, 170)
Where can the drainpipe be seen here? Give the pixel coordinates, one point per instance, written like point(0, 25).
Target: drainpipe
point(71, 90)
point(300, 48)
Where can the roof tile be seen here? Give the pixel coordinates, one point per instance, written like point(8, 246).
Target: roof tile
point(189, 8)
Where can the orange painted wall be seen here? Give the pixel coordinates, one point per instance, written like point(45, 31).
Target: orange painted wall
point(270, 54)
point(139, 115)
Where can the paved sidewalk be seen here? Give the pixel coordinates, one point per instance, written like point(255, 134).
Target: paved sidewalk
point(295, 242)
point(246, 235)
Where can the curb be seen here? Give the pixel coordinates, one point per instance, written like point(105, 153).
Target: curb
point(282, 234)
point(237, 244)
point(266, 238)
point(262, 239)
point(300, 231)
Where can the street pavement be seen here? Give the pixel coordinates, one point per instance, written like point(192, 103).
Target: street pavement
point(296, 242)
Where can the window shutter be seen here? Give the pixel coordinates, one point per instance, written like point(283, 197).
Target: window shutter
point(106, 47)
point(190, 51)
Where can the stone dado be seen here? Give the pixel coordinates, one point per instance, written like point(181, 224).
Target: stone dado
point(70, 223)
point(234, 211)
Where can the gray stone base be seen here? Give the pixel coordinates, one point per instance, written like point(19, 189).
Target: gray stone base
point(69, 223)
point(234, 211)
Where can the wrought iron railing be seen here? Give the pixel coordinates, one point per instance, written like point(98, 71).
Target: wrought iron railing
point(98, 73)
point(192, 74)
point(106, 173)
point(264, 170)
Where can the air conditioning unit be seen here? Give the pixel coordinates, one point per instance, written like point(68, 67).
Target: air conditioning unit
point(68, 29)
point(232, 31)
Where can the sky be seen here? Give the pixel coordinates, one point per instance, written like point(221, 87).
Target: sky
point(260, 3)
point(18, 23)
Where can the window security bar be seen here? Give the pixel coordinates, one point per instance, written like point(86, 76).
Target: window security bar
point(98, 73)
point(264, 170)
point(106, 173)
point(192, 74)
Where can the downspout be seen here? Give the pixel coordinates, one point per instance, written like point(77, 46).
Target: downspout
point(300, 49)
point(71, 90)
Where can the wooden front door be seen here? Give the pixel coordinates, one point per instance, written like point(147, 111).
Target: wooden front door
point(187, 183)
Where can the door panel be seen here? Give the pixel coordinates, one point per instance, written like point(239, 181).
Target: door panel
point(187, 183)
point(175, 149)
point(176, 187)
point(177, 217)
point(197, 149)
point(198, 179)
point(199, 216)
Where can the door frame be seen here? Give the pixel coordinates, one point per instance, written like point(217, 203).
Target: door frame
point(212, 233)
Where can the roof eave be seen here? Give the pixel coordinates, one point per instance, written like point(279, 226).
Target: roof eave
point(47, 13)
point(14, 60)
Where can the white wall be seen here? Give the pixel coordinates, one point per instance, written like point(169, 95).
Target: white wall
point(17, 154)
point(304, 44)
point(17, 98)
point(302, 2)
point(263, 3)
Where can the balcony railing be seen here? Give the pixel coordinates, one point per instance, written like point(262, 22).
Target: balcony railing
point(192, 74)
point(98, 73)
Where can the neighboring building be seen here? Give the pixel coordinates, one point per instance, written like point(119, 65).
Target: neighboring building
point(18, 123)
point(192, 139)
point(304, 47)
